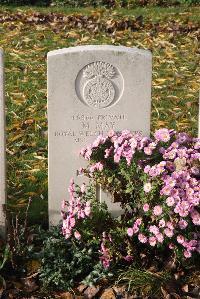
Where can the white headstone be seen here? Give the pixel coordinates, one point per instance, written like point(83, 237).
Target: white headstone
point(91, 90)
point(2, 146)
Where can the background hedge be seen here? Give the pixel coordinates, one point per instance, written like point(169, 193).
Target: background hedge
point(95, 3)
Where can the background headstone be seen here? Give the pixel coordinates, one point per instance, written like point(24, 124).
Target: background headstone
point(199, 117)
point(2, 146)
point(91, 90)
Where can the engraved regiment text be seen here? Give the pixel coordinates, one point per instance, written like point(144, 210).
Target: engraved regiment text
point(88, 126)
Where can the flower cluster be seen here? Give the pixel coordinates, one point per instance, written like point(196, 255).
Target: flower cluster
point(123, 145)
point(74, 210)
point(176, 217)
point(167, 213)
point(105, 256)
point(87, 152)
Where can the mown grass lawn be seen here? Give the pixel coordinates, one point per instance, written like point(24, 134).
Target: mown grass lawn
point(27, 34)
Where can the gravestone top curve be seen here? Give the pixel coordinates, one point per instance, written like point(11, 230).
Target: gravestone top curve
point(117, 49)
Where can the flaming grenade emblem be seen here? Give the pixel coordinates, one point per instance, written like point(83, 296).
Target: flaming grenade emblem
point(99, 91)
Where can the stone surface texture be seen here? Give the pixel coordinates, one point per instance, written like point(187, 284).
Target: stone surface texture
point(2, 146)
point(91, 90)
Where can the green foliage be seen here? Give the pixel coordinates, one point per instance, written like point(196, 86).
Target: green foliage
point(4, 257)
point(98, 273)
point(144, 282)
point(65, 262)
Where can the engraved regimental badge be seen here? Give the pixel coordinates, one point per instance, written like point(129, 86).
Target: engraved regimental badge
point(99, 92)
point(97, 85)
